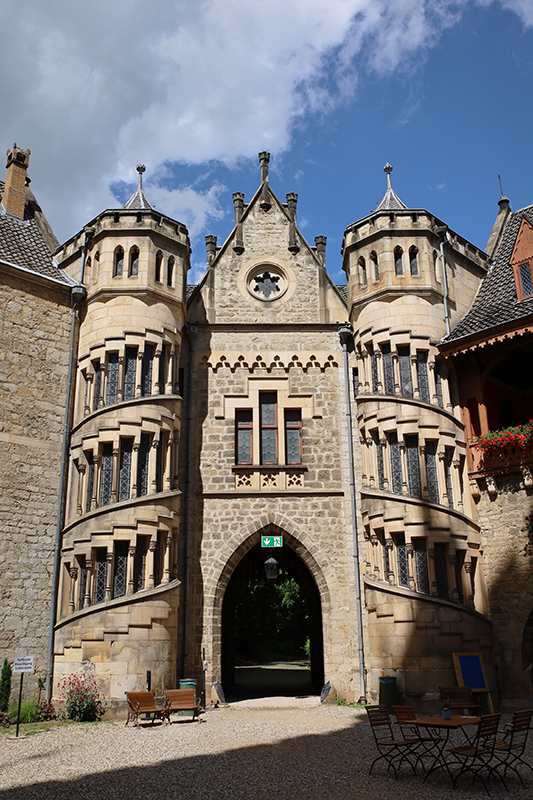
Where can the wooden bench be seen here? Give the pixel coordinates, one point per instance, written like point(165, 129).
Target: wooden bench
point(459, 697)
point(183, 700)
point(144, 703)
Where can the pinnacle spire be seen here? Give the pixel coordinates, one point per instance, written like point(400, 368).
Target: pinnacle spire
point(138, 200)
point(391, 201)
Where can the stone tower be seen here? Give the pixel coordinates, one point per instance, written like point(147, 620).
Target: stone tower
point(118, 594)
point(409, 278)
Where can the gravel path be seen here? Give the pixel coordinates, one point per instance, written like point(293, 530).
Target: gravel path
point(243, 752)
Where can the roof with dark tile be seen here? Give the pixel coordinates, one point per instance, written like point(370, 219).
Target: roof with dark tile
point(22, 244)
point(343, 291)
point(496, 302)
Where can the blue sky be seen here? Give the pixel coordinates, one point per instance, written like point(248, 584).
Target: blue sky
point(332, 88)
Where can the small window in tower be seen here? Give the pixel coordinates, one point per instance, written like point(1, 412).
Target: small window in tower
point(374, 262)
point(170, 271)
point(398, 260)
point(96, 265)
point(133, 270)
point(362, 270)
point(269, 427)
point(243, 439)
point(158, 265)
point(118, 267)
point(293, 436)
point(413, 260)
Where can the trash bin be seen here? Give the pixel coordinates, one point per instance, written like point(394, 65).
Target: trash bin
point(186, 683)
point(388, 692)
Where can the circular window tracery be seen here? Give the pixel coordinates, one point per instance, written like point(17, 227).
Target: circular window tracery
point(267, 282)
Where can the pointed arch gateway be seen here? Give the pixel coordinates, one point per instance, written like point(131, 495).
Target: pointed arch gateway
point(247, 564)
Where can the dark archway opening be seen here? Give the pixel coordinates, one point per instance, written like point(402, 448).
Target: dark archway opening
point(272, 642)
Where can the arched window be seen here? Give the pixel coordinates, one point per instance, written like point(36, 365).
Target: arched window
point(134, 262)
point(170, 271)
point(96, 268)
point(435, 265)
point(413, 260)
point(398, 260)
point(374, 262)
point(158, 264)
point(118, 267)
point(362, 271)
point(88, 265)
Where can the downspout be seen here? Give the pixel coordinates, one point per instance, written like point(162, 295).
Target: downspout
point(345, 334)
point(442, 232)
point(191, 331)
point(79, 293)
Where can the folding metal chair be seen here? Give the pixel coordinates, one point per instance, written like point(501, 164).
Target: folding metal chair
point(428, 745)
point(392, 750)
point(509, 750)
point(477, 756)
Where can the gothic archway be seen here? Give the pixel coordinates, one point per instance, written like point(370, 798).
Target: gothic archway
point(254, 631)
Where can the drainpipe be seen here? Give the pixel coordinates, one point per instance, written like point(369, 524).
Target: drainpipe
point(442, 232)
point(79, 293)
point(345, 334)
point(192, 332)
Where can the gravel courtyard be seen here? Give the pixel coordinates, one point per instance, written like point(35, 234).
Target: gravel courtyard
point(310, 752)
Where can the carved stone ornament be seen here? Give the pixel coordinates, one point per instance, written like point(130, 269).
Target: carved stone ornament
point(267, 282)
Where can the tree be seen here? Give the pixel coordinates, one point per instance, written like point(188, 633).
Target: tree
point(5, 685)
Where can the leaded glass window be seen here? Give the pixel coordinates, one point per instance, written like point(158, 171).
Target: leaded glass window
point(82, 583)
point(143, 465)
point(106, 479)
point(375, 375)
point(139, 564)
point(406, 377)
point(421, 566)
point(386, 559)
point(448, 459)
point(398, 260)
point(422, 374)
point(362, 268)
point(160, 460)
point(379, 458)
point(413, 466)
point(374, 261)
point(100, 578)
point(395, 463)
point(269, 431)
point(413, 260)
point(244, 421)
point(158, 558)
point(441, 575)
point(161, 378)
point(293, 436)
point(525, 278)
point(402, 562)
point(130, 371)
point(121, 569)
point(146, 371)
point(112, 379)
point(438, 385)
point(97, 385)
point(459, 565)
point(355, 380)
point(431, 471)
point(90, 482)
point(134, 262)
point(388, 368)
point(124, 475)
point(119, 262)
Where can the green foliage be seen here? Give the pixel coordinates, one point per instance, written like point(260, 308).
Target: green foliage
point(80, 699)
point(29, 710)
point(5, 685)
point(271, 620)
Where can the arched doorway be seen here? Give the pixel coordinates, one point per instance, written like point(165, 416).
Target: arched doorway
point(272, 641)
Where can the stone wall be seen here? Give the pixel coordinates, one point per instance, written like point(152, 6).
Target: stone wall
point(508, 566)
point(34, 342)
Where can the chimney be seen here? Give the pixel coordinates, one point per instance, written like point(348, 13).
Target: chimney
point(238, 246)
point(264, 200)
point(320, 244)
point(14, 198)
point(211, 247)
point(292, 199)
point(264, 158)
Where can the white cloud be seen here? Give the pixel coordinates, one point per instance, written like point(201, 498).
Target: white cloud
point(95, 87)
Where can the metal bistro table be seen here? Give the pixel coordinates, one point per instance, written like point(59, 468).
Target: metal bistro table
point(446, 725)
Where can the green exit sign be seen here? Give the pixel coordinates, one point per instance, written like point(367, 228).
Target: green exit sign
point(271, 541)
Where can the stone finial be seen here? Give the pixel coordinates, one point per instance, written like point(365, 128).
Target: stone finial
point(141, 169)
point(211, 247)
point(264, 158)
point(387, 169)
point(238, 198)
point(320, 244)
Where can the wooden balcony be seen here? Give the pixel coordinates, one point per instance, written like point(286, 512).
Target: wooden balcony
point(499, 462)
